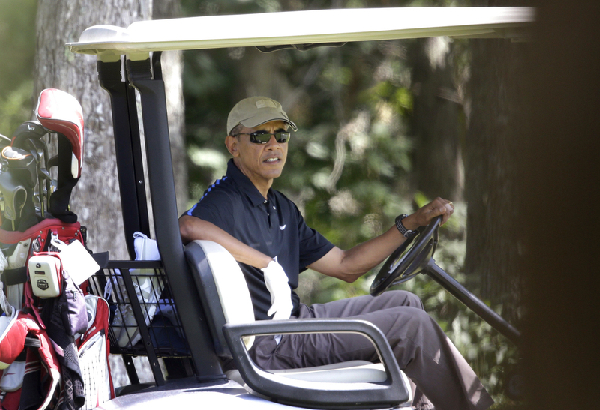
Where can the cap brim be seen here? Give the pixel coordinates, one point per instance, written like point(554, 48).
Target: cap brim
point(265, 115)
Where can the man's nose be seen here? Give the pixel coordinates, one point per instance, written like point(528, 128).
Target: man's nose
point(272, 141)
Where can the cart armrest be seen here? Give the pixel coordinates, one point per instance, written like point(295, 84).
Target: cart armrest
point(332, 395)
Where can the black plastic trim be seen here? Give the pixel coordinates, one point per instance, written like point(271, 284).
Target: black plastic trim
point(318, 395)
point(164, 206)
point(143, 328)
point(209, 295)
point(128, 151)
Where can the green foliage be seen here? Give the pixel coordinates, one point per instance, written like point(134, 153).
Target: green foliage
point(15, 107)
point(490, 354)
point(17, 42)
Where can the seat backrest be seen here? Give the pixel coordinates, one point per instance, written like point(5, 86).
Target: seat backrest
point(223, 290)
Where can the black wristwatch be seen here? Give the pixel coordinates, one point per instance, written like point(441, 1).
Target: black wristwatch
point(407, 233)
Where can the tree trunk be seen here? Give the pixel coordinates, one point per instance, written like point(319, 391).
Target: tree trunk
point(96, 198)
point(492, 251)
point(558, 183)
point(436, 121)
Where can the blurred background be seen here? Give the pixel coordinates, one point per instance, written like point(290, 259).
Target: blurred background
point(384, 127)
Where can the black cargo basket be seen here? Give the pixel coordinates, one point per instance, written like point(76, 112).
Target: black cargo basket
point(143, 318)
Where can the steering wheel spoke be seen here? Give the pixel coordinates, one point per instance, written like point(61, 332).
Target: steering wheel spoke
point(408, 260)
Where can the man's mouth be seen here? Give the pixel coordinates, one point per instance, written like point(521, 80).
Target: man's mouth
point(271, 160)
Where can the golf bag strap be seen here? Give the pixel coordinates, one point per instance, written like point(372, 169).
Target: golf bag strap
point(41, 230)
point(58, 204)
point(14, 276)
point(29, 303)
point(32, 342)
point(46, 385)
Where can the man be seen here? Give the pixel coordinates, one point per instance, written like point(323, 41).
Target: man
point(267, 235)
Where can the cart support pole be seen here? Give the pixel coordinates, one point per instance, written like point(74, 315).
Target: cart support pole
point(472, 302)
point(128, 151)
point(164, 205)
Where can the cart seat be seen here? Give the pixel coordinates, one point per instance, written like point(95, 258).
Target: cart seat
point(344, 372)
point(227, 303)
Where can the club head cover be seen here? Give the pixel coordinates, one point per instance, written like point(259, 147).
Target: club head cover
point(12, 338)
point(61, 112)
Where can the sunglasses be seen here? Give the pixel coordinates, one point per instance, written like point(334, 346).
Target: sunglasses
point(262, 136)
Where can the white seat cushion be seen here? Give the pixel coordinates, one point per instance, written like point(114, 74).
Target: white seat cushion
point(345, 372)
point(231, 286)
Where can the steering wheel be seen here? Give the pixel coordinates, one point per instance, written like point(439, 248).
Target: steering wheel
point(408, 260)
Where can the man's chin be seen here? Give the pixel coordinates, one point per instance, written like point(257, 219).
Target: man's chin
point(272, 173)
point(274, 170)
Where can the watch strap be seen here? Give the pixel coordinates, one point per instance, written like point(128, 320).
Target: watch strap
point(407, 233)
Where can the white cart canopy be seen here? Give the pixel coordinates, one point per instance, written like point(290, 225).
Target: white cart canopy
point(303, 27)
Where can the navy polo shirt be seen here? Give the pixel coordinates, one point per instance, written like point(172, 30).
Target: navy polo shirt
point(273, 226)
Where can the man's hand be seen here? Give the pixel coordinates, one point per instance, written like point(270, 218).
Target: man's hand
point(281, 293)
point(424, 215)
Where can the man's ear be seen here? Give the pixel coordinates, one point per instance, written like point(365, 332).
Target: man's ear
point(232, 145)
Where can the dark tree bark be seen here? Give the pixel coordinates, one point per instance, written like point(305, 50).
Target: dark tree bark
point(496, 114)
point(559, 183)
point(436, 121)
point(96, 197)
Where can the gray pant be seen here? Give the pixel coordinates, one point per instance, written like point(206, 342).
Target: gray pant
point(422, 349)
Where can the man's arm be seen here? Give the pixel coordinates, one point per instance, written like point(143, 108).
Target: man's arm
point(349, 265)
point(192, 228)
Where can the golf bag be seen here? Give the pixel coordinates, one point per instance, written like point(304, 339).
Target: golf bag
point(41, 264)
point(76, 324)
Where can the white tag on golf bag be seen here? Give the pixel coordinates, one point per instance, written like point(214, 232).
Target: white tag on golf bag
point(45, 276)
point(76, 260)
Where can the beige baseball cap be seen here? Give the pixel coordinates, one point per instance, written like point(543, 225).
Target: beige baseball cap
point(254, 111)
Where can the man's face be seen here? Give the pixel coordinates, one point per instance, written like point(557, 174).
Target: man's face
point(259, 162)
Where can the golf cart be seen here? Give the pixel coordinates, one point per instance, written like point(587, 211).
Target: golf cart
point(188, 281)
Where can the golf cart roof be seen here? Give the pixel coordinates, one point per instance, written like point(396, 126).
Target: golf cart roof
point(302, 27)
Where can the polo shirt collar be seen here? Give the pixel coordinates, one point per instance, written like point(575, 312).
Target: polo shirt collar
point(245, 185)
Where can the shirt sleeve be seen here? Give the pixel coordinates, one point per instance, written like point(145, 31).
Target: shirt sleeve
point(215, 207)
point(313, 245)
